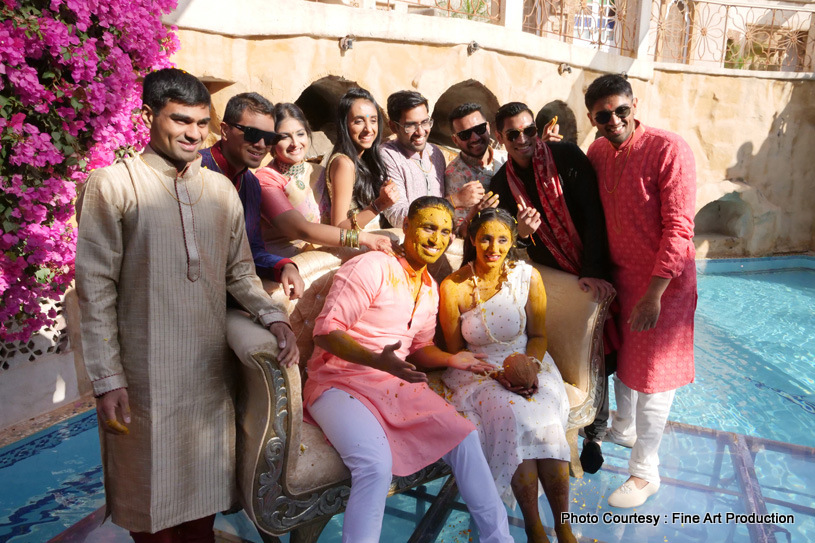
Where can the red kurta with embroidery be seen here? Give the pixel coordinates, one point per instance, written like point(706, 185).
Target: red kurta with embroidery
point(648, 190)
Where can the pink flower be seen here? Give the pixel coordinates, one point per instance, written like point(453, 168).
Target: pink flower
point(83, 78)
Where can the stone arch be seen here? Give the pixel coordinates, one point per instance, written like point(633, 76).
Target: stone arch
point(565, 118)
point(728, 216)
point(319, 102)
point(460, 93)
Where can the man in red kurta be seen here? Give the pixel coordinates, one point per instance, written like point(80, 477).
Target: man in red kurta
point(647, 182)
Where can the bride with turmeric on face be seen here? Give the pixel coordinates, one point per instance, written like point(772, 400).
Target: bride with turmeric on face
point(496, 306)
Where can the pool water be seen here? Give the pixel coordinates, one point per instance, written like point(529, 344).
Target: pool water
point(50, 480)
point(755, 356)
point(755, 352)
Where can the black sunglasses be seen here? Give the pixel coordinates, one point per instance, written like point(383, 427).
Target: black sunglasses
point(529, 131)
point(254, 135)
point(479, 129)
point(604, 117)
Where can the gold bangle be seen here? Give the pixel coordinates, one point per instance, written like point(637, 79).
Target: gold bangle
point(342, 237)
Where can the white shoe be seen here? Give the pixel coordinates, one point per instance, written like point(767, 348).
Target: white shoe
point(623, 442)
point(628, 495)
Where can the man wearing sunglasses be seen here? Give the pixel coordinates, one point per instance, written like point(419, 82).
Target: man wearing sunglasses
point(553, 190)
point(247, 135)
point(647, 181)
point(478, 160)
point(412, 163)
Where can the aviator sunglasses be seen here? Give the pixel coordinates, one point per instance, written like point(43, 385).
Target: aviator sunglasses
point(254, 135)
point(479, 129)
point(603, 117)
point(530, 132)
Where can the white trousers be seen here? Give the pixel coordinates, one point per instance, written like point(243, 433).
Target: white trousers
point(363, 446)
point(642, 417)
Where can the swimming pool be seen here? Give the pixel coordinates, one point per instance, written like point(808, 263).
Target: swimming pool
point(755, 345)
point(755, 350)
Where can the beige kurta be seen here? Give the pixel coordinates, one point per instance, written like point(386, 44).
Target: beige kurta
point(152, 275)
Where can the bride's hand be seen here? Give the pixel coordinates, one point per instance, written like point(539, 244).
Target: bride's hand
point(526, 392)
point(467, 361)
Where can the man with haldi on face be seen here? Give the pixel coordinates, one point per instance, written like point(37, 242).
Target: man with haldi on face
point(366, 394)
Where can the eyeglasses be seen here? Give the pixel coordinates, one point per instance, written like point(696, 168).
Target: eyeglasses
point(603, 117)
point(410, 128)
point(529, 131)
point(479, 129)
point(254, 135)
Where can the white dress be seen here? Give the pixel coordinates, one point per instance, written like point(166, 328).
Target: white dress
point(511, 427)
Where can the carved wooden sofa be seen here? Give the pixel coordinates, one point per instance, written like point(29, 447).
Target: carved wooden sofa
point(290, 479)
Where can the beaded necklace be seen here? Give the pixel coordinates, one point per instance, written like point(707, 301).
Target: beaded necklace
point(482, 311)
point(292, 171)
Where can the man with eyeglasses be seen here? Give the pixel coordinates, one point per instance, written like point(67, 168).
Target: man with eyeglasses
point(647, 180)
point(413, 164)
point(247, 135)
point(478, 160)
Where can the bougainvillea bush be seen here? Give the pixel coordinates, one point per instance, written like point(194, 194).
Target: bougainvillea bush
point(69, 95)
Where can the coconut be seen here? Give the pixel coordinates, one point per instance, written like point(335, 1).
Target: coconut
point(520, 370)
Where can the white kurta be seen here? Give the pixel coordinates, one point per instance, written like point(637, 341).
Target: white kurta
point(152, 273)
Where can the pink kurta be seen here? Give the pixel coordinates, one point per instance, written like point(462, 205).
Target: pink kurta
point(648, 190)
point(371, 300)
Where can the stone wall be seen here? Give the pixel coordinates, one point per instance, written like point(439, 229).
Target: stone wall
point(753, 135)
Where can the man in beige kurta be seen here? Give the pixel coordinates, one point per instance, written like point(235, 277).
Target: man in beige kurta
point(161, 242)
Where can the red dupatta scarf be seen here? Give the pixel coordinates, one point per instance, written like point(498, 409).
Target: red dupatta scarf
point(556, 230)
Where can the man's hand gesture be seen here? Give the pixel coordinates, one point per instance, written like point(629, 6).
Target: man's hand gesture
point(389, 362)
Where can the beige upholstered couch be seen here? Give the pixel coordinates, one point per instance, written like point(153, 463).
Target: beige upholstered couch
point(290, 478)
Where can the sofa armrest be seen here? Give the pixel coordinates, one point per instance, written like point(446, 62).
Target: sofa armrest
point(574, 328)
point(269, 413)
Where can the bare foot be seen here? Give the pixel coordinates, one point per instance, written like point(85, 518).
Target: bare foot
point(564, 533)
point(537, 535)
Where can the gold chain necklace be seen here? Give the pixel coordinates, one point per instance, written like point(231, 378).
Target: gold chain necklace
point(425, 172)
point(161, 182)
point(618, 175)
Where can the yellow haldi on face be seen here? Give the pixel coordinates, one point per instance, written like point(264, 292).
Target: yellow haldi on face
point(427, 235)
point(493, 240)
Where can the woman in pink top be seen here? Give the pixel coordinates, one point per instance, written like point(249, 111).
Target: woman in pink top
point(292, 202)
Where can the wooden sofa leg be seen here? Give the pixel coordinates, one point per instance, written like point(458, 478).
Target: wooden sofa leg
point(310, 532)
point(575, 469)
